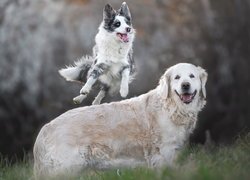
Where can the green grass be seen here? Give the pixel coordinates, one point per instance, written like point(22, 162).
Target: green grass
point(194, 162)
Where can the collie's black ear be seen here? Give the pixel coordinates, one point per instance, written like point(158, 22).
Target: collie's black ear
point(124, 11)
point(108, 12)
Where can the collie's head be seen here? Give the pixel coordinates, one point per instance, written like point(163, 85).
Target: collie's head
point(118, 23)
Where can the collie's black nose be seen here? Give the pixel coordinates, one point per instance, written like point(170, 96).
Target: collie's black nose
point(185, 86)
point(128, 29)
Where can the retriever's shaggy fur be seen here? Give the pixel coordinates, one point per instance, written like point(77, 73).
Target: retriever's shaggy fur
point(148, 129)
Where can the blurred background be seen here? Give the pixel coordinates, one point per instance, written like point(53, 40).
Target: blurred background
point(37, 38)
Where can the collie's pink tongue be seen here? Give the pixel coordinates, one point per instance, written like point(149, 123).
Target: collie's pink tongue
point(123, 37)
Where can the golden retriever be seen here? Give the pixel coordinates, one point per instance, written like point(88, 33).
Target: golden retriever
point(145, 130)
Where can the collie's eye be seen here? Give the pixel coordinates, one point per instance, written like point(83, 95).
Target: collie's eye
point(191, 76)
point(177, 77)
point(117, 24)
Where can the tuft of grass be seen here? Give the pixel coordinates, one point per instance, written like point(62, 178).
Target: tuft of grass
point(21, 170)
point(194, 162)
point(224, 162)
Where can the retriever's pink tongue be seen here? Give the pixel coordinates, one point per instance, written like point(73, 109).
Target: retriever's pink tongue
point(186, 97)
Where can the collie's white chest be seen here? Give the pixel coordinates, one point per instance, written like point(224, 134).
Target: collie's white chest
point(114, 54)
point(111, 50)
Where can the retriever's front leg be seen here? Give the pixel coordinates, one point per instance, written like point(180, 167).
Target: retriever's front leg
point(166, 157)
point(124, 81)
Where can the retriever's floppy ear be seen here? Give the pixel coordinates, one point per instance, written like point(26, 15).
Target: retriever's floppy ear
point(164, 85)
point(203, 78)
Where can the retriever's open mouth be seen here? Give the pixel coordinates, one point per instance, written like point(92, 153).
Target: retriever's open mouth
point(123, 37)
point(186, 97)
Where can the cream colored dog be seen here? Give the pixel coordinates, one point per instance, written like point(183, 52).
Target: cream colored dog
point(145, 130)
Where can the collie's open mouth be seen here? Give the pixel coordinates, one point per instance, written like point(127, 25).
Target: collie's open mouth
point(186, 97)
point(123, 37)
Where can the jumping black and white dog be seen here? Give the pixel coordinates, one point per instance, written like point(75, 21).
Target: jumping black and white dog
point(111, 67)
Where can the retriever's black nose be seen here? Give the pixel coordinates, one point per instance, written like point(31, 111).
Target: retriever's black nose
point(185, 86)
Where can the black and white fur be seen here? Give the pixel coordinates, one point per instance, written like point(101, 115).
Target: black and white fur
point(111, 67)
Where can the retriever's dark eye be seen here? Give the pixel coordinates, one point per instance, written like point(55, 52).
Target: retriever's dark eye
point(191, 76)
point(177, 77)
point(117, 24)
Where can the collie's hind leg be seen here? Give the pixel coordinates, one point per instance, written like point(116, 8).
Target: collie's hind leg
point(99, 97)
point(87, 87)
point(101, 94)
point(79, 99)
point(97, 71)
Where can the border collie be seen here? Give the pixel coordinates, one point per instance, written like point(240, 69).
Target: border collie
point(111, 67)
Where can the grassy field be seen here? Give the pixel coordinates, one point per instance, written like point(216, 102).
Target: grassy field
point(194, 162)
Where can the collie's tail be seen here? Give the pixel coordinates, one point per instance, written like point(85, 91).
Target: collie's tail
point(79, 71)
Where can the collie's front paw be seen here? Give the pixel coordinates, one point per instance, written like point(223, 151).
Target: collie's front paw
point(85, 90)
point(124, 91)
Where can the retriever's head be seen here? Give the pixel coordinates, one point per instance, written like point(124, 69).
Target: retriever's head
point(185, 84)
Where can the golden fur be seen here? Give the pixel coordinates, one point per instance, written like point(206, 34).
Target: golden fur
point(145, 130)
